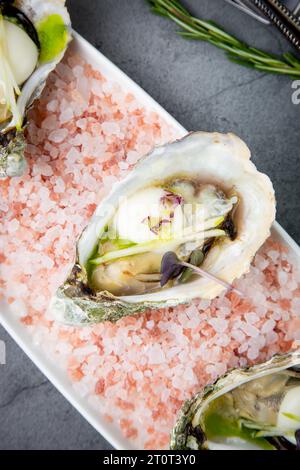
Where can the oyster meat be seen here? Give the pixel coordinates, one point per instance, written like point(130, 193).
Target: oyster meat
point(200, 198)
point(253, 408)
point(34, 35)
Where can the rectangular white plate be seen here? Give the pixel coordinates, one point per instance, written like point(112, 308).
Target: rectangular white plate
point(19, 332)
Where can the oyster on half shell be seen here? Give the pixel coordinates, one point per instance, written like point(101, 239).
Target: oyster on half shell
point(253, 408)
point(201, 198)
point(34, 35)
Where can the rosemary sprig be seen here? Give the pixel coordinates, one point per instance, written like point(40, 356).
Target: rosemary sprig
point(236, 50)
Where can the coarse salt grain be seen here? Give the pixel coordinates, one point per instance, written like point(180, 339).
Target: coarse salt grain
point(12, 226)
point(155, 354)
point(52, 105)
point(59, 185)
point(58, 135)
point(110, 128)
point(45, 170)
point(268, 326)
point(66, 115)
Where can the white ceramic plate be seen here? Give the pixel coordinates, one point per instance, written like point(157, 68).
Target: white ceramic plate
point(19, 332)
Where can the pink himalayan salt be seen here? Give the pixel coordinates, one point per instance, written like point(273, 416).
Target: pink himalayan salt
point(58, 135)
point(141, 369)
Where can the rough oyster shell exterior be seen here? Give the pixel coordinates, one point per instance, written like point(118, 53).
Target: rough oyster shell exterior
point(223, 159)
point(12, 141)
point(185, 435)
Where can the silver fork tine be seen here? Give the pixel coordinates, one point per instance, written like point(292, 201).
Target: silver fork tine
point(282, 18)
point(297, 9)
point(248, 7)
point(283, 14)
point(249, 10)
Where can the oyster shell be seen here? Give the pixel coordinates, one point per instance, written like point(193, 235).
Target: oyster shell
point(207, 196)
point(34, 35)
point(253, 408)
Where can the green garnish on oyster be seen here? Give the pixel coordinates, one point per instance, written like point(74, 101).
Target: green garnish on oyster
point(152, 222)
point(199, 198)
point(254, 408)
point(33, 38)
point(53, 36)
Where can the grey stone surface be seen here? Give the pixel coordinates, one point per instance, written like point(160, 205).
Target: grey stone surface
point(199, 87)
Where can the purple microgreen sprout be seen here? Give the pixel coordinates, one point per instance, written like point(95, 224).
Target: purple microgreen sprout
point(172, 266)
point(171, 199)
point(157, 225)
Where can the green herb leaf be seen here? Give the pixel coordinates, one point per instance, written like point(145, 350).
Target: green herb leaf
point(236, 50)
point(292, 416)
point(196, 259)
point(53, 37)
point(122, 243)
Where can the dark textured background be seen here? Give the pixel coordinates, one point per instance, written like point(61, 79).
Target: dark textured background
point(202, 90)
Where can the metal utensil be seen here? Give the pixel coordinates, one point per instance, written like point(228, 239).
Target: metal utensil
point(247, 7)
point(284, 14)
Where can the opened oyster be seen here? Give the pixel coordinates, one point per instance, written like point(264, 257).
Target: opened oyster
point(200, 198)
point(33, 38)
point(253, 408)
